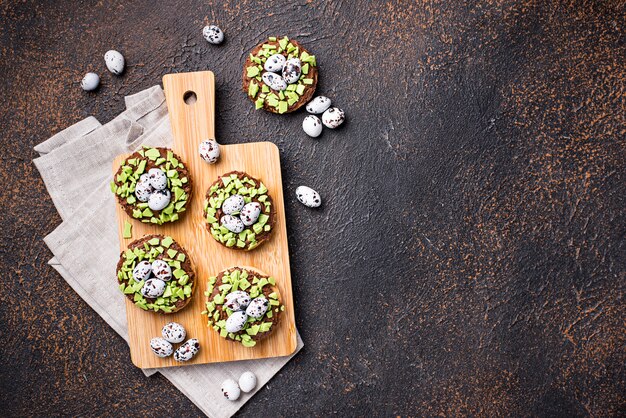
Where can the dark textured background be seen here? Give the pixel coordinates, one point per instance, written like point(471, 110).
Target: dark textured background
point(470, 255)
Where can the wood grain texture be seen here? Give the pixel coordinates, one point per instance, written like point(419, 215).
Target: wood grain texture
point(192, 123)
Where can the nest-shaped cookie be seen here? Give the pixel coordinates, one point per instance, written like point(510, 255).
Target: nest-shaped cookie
point(178, 289)
point(296, 94)
point(255, 285)
point(135, 168)
point(251, 190)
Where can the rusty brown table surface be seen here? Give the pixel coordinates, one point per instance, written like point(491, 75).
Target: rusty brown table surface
point(470, 255)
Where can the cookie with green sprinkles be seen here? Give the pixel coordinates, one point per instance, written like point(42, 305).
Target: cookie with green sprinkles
point(239, 212)
point(268, 79)
point(153, 186)
point(156, 274)
point(243, 305)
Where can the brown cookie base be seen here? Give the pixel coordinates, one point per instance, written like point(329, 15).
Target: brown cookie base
point(309, 90)
point(185, 265)
point(267, 290)
point(260, 237)
point(182, 172)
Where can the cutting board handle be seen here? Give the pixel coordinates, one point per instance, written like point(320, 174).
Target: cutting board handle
point(191, 104)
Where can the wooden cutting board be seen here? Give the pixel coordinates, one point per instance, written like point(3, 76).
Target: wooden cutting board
point(191, 124)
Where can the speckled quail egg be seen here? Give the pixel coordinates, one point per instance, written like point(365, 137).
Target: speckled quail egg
point(236, 321)
point(275, 63)
point(174, 332)
point(209, 151)
point(312, 126)
point(153, 288)
point(233, 204)
point(292, 70)
point(143, 190)
point(161, 347)
point(187, 351)
point(159, 199)
point(142, 271)
point(247, 382)
point(333, 117)
point(114, 61)
point(318, 105)
point(162, 270)
point(274, 81)
point(230, 390)
point(158, 179)
point(238, 300)
point(308, 197)
point(257, 307)
point(232, 223)
point(90, 81)
point(250, 213)
point(213, 34)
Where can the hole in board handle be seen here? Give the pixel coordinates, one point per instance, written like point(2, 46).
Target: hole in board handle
point(190, 97)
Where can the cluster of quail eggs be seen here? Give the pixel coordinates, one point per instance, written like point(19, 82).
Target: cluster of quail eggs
point(237, 214)
point(232, 390)
point(243, 307)
point(174, 333)
point(115, 64)
point(154, 275)
point(332, 117)
point(152, 188)
point(280, 72)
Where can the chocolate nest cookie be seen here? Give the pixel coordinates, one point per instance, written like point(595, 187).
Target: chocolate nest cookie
point(156, 274)
point(239, 211)
point(280, 75)
point(243, 305)
point(153, 185)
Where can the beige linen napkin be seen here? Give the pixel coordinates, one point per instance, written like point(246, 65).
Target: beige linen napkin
point(75, 165)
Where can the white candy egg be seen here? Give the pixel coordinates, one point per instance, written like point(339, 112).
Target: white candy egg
point(257, 307)
point(213, 34)
point(275, 63)
point(161, 347)
point(153, 288)
point(250, 213)
point(247, 382)
point(237, 300)
point(233, 204)
point(174, 332)
point(159, 199)
point(333, 117)
point(114, 61)
point(232, 223)
point(142, 271)
point(143, 190)
point(161, 270)
point(187, 351)
point(209, 151)
point(318, 105)
point(236, 321)
point(90, 81)
point(274, 81)
point(158, 179)
point(308, 197)
point(230, 390)
point(312, 126)
point(292, 70)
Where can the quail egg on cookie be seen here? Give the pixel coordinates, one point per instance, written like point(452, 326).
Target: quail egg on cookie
point(233, 204)
point(153, 288)
point(236, 321)
point(158, 179)
point(161, 270)
point(250, 213)
point(274, 81)
point(292, 70)
point(159, 199)
point(257, 307)
point(161, 347)
point(237, 300)
point(143, 190)
point(142, 271)
point(275, 63)
point(233, 224)
point(174, 332)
